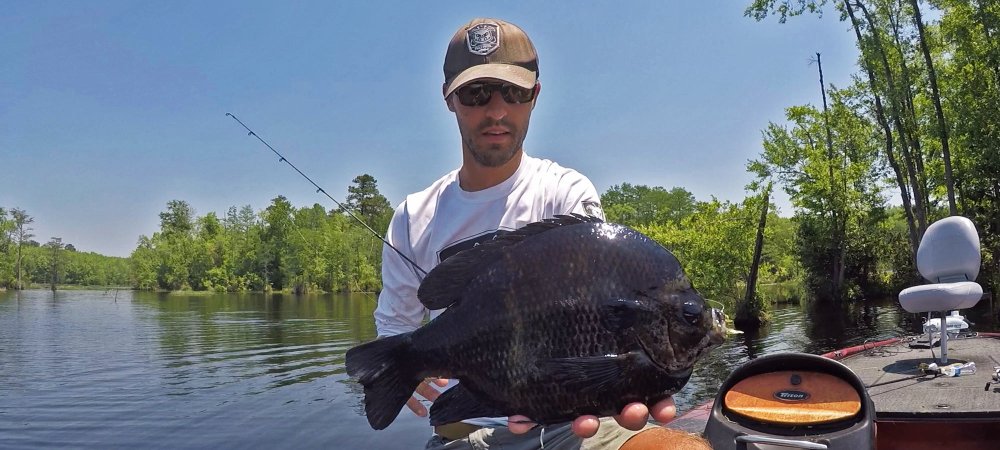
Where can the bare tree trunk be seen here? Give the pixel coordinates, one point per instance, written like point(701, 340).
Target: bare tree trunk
point(748, 316)
point(936, 95)
point(840, 250)
point(887, 130)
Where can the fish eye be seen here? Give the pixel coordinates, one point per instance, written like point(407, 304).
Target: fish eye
point(692, 311)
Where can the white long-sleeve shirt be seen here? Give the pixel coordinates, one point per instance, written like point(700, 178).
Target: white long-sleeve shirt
point(439, 221)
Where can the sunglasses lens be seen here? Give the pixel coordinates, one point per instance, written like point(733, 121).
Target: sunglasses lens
point(479, 94)
point(517, 94)
point(475, 94)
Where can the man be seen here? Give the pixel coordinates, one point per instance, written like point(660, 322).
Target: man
point(491, 84)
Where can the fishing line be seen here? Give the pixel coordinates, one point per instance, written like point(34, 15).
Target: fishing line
point(722, 306)
point(421, 272)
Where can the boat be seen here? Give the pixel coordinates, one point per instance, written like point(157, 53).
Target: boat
point(940, 389)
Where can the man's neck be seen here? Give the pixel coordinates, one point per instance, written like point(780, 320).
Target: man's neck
point(476, 177)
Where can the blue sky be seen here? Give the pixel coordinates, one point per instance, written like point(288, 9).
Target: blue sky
point(108, 110)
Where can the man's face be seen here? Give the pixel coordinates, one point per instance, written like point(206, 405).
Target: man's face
point(494, 132)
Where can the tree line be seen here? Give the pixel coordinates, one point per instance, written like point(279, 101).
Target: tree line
point(24, 262)
point(281, 248)
point(311, 249)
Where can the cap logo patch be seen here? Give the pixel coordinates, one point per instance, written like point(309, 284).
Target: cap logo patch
point(484, 38)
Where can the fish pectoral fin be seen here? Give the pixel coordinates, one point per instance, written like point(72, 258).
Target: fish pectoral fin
point(458, 403)
point(586, 373)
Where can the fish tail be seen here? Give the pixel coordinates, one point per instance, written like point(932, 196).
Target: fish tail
point(380, 366)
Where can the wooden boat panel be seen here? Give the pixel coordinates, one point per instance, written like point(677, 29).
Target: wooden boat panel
point(936, 435)
point(826, 398)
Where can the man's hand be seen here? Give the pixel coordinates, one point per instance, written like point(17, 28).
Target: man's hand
point(634, 416)
point(426, 391)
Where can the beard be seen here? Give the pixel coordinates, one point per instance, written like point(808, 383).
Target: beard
point(494, 155)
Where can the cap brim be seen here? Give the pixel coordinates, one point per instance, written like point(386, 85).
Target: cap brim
point(507, 72)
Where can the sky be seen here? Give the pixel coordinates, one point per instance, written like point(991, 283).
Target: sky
point(109, 110)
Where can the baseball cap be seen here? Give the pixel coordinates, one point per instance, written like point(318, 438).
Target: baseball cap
point(490, 48)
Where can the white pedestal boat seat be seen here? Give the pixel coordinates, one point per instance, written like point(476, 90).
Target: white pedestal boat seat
point(949, 258)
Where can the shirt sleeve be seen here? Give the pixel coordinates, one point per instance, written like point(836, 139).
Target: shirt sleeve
point(580, 196)
point(399, 310)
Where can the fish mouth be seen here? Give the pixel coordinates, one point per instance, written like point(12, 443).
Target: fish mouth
point(718, 333)
point(673, 373)
point(715, 337)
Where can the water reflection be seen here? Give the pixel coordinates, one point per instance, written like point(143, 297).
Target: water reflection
point(212, 340)
point(95, 369)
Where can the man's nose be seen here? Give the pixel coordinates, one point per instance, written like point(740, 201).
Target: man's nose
point(497, 107)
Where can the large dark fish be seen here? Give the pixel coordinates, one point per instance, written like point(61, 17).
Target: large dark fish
point(561, 318)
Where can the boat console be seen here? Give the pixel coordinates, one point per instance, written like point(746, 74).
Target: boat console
point(792, 400)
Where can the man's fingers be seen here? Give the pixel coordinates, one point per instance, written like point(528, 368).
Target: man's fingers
point(416, 407)
point(634, 416)
point(586, 426)
point(426, 391)
point(664, 411)
point(519, 424)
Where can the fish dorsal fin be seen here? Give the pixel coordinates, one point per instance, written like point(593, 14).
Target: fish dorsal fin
point(443, 286)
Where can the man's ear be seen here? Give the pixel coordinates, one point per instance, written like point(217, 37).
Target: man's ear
point(447, 101)
point(538, 91)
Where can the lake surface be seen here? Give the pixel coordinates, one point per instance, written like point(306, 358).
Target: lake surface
point(96, 369)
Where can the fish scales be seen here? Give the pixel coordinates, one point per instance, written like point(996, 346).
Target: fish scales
point(568, 317)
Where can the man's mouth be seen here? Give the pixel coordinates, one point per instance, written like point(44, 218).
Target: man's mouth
point(495, 135)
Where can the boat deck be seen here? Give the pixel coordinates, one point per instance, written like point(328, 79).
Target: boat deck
point(914, 410)
point(900, 389)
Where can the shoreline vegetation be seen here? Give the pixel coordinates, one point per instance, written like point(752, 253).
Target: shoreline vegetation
point(310, 250)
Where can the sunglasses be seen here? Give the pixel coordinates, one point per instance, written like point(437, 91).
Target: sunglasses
point(479, 94)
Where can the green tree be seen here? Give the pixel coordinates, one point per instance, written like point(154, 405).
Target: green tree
point(278, 259)
point(7, 228)
point(831, 190)
point(279, 248)
point(714, 246)
point(55, 261)
point(143, 263)
point(643, 205)
point(364, 199)
point(178, 218)
point(22, 235)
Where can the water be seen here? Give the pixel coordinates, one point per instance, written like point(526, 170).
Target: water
point(95, 369)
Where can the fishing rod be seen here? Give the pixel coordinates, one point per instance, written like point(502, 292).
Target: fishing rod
point(422, 273)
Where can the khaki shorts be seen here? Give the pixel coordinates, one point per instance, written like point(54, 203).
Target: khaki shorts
point(610, 436)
